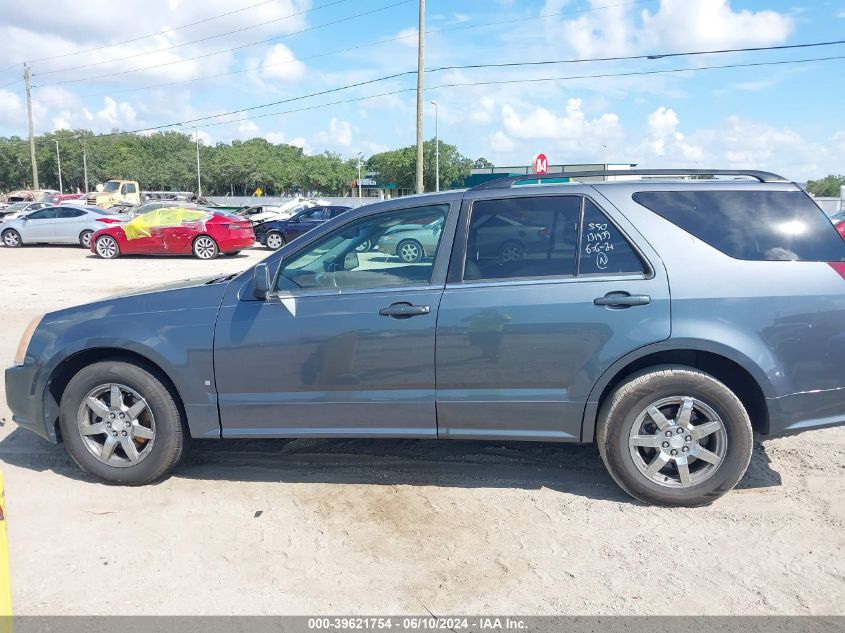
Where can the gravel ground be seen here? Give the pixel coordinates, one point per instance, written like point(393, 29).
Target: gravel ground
point(390, 527)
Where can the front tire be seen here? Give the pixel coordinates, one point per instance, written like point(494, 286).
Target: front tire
point(205, 247)
point(410, 251)
point(674, 436)
point(274, 240)
point(107, 247)
point(121, 424)
point(12, 238)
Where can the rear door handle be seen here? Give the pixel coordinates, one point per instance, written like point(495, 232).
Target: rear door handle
point(622, 300)
point(403, 310)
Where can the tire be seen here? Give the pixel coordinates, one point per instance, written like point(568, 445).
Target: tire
point(107, 247)
point(155, 429)
point(85, 239)
point(716, 441)
point(274, 240)
point(510, 252)
point(410, 251)
point(232, 253)
point(12, 238)
point(205, 247)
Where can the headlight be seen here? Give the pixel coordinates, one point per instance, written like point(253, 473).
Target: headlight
point(20, 355)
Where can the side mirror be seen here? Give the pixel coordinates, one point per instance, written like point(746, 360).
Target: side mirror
point(260, 281)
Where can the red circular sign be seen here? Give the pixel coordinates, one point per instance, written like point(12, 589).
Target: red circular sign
point(541, 164)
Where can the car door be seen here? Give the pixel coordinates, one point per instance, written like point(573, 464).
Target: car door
point(66, 228)
point(37, 225)
point(545, 292)
point(343, 346)
point(304, 222)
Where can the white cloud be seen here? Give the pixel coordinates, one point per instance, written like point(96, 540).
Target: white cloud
point(501, 142)
point(663, 121)
point(247, 130)
point(280, 63)
point(11, 109)
point(338, 134)
point(408, 37)
point(116, 114)
point(541, 123)
point(483, 112)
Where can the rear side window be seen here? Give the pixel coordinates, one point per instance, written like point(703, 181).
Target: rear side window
point(604, 250)
point(751, 225)
point(71, 213)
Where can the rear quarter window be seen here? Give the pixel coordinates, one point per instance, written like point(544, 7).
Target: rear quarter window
point(751, 225)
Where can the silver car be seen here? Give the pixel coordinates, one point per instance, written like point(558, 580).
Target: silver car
point(56, 225)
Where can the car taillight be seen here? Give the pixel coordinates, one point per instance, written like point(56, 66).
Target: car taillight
point(839, 267)
point(109, 220)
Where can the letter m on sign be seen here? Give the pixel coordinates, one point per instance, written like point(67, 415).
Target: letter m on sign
point(541, 164)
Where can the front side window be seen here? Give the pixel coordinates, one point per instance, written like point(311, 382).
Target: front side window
point(395, 248)
point(130, 188)
point(44, 214)
point(751, 225)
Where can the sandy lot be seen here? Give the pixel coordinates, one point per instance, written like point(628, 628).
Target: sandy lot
point(366, 527)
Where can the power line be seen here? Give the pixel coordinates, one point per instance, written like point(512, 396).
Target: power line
point(202, 39)
point(449, 85)
point(234, 48)
point(143, 37)
point(352, 48)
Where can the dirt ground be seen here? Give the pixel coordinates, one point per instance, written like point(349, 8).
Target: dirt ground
point(394, 527)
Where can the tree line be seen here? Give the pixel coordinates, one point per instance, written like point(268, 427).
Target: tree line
point(167, 161)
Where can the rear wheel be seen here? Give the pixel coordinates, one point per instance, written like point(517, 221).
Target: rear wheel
point(121, 424)
point(85, 239)
point(106, 247)
point(205, 247)
point(12, 238)
point(274, 240)
point(674, 436)
point(410, 251)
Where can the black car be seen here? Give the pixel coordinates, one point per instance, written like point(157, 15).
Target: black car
point(276, 233)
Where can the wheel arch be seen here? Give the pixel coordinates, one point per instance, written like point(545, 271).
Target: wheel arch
point(68, 367)
point(738, 372)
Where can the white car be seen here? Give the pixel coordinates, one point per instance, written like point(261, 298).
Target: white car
point(56, 225)
point(16, 209)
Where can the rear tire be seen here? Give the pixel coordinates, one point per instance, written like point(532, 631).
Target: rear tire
point(12, 238)
point(107, 247)
point(205, 247)
point(674, 436)
point(85, 239)
point(143, 445)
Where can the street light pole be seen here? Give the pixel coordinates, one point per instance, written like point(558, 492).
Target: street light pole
point(605, 160)
point(360, 155)
point(436, 147)
point(197, 141)
point(59, 163)
point(420, 73)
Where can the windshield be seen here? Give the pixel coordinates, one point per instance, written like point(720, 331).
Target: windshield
point(111, 186)
point(14, 208)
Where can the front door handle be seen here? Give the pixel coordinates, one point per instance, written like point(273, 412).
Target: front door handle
point(403, 310)
point(622, 300)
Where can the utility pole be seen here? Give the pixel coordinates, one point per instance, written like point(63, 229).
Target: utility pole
point(360, 155)
point(436, 146)
point(420, 72)
point(31, 134)
point(197, 141)
point(59, 165)
point(84, 164)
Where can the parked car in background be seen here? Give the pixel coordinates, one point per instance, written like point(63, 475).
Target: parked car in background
point(276, 233)
point(410, 243)
point(262, 212)
point(114, 192)
point(33, 195)
point(16, 209)
point(176, 231)
point(56, 225)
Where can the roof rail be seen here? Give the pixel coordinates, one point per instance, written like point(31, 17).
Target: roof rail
point(507, 181)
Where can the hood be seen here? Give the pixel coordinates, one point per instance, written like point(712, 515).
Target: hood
point(182, 284)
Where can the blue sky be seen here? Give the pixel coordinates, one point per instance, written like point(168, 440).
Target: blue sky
point(784, 118)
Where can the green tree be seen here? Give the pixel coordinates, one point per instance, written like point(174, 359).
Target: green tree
point(399, 166)
point(827, 187)
point(482, 163)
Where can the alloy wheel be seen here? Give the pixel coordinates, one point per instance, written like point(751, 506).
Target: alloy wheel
point(11, 238)
point(116, 425)
point(85, 238)
point(409, 252)
point(678, 442)
point(106, 247)
point(275, 241)
point(205, 247)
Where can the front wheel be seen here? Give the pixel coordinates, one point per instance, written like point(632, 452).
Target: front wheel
point(106, 247)
point(12, 238)
point(274, 240)
point(85, 239)
point(674, 436)
point(205, 247)
point(120, 423)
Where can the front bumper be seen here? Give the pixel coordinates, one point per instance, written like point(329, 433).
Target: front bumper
point(25, 400)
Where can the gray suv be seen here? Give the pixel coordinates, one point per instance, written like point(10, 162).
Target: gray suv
point(664, 318)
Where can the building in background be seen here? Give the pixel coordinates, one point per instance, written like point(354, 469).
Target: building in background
point(484, 174)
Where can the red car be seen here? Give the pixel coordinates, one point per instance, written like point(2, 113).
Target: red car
point(841, 228)
point(175, 231)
